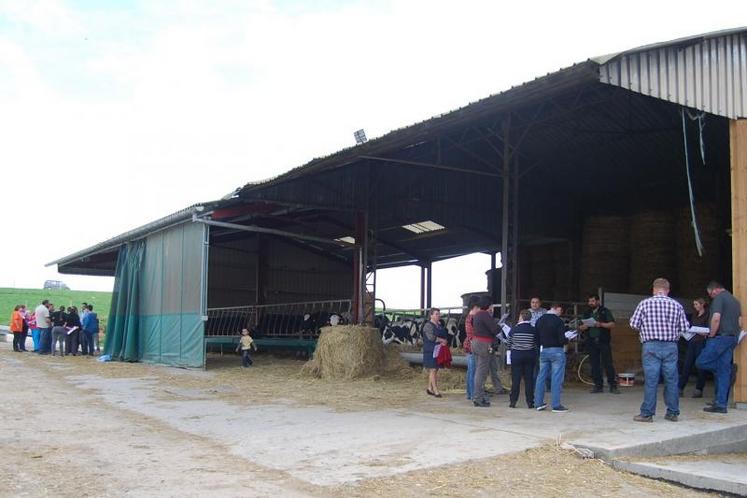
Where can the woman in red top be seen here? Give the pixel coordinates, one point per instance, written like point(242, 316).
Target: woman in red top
point(16, 326)
point(472, 308)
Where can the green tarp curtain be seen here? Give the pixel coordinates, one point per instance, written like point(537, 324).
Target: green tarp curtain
point(157, 306)
point(123, 325)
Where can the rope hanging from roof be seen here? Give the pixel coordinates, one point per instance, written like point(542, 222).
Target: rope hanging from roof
point(693, 217)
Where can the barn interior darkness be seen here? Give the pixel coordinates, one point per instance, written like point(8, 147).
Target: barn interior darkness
point(597, 188)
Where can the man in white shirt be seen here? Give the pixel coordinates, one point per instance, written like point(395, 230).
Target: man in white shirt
point(44, 324)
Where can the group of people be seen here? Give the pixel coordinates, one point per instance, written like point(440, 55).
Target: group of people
point(56, 331)
point(661, 321)
point(536, 349)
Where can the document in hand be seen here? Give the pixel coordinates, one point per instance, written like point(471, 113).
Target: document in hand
point(589, 322)
point(71, 330)
point(742, 335)
point(571, 334)
point(693, 331)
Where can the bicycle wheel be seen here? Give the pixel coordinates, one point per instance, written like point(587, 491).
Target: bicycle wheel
point(584, 371)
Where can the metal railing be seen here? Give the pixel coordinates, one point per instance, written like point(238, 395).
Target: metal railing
point(299, 320)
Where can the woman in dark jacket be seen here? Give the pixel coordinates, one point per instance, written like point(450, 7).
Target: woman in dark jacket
point(433, 334)
point(694, 347)
point(73, 338)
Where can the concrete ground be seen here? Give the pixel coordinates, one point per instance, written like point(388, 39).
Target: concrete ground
point(156, 420)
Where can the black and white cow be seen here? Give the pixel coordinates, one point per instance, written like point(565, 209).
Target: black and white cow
point(401, 331)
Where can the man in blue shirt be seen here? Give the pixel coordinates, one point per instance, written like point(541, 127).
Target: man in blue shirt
point(90, 323)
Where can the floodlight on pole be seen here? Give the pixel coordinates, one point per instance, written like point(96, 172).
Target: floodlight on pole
point(360, 137)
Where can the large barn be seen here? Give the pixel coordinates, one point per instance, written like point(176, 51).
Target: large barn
point(603, 175)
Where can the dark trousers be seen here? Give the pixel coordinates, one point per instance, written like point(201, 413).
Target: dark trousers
point(73, 342)
point(600, 355)
point(87, 342)
point(246, 360)
point(694, 347)
point(17, 341)
point(522, 366)
point(24, 335)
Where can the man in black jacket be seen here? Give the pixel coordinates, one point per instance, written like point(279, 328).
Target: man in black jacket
point(551, 334)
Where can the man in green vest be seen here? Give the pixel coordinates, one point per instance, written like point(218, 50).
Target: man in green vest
point(598, 341)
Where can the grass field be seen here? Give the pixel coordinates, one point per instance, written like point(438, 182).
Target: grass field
point(9, 298)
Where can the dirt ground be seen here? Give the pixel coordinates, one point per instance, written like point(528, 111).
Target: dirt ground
point(61, 440)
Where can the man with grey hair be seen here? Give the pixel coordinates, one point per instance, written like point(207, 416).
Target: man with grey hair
point(717, 355)
point(660, 320)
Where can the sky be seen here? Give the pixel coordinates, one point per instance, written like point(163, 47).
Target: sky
point(115, 113)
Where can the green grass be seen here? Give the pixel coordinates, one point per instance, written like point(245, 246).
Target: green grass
point(9, 298)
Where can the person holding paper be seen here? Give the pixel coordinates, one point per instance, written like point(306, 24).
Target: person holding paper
point(659, 320)
point(598, 321)
point(73, 338)
point(522, 341)
point(551, 338)
point(694, 347)
point(717, 355)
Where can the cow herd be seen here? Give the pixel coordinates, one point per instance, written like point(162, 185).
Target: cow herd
point(409, 330)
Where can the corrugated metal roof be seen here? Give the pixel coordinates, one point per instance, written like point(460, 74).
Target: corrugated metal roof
point(705, 72)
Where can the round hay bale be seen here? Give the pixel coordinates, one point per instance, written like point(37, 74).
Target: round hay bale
point(346, 352)
point(652, 250)
point(605, 256)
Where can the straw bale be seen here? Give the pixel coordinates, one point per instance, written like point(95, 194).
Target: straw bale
point(696, 271)
point(346, 352)
point(652, 244)
point(605, 254)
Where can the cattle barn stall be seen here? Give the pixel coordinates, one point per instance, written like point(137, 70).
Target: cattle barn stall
point(578, 178)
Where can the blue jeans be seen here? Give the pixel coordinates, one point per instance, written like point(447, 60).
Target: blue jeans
point(551, 360)
point(470, 375)
point(660, 359)
point(45, 340)
point(716, 357)
point(87, 342)
point(36, 337)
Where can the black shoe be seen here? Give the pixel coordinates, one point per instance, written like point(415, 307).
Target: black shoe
point(614, 390)
point(560, 409)
point(530, 406)
point(481, 404)
point(671, 417)
point(430, 393)
point(512, 404)
point(714, 409)
point(597, 389)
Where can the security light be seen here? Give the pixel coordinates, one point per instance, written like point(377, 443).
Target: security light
point(360, 137)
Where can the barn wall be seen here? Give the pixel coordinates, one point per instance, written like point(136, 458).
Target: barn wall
point(288, 272)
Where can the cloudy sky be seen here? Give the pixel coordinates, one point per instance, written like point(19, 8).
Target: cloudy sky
point(114, 113)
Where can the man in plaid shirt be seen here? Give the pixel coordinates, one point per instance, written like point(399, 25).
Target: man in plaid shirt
point(659, 320)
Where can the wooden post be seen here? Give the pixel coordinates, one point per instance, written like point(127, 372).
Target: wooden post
point(738, 146)
point(504, 221)
point(359, 267)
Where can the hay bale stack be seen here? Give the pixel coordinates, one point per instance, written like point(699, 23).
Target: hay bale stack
point(346, 352)
point(541, 270)
point(652, 250)
point(695, 272)
point(605, 254)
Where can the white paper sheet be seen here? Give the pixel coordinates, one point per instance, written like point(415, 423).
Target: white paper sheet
point(571, 334)
point(71, 330)
point(589, 322)
point(742, 335)
point(508, 357)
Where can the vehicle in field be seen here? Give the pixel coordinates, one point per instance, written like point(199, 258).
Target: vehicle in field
point(55, 284)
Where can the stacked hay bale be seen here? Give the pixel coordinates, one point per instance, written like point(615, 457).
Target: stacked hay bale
point(541, 270)
point(693, 270)
point(346, 352)
point(652, 249)
point(605, 254)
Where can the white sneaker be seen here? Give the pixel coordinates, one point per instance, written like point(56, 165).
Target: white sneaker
point(541, 407)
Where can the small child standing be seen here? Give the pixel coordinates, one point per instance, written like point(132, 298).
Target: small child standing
point(245, 344)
